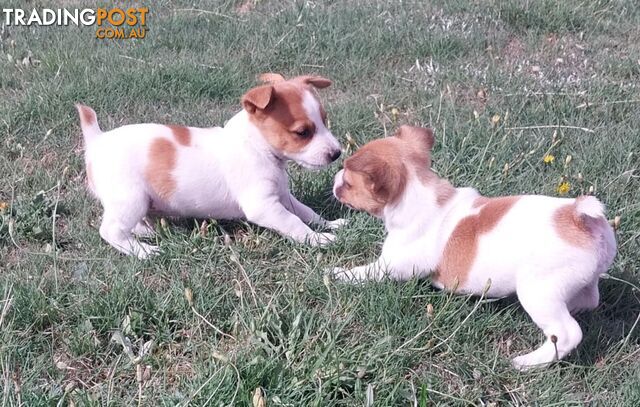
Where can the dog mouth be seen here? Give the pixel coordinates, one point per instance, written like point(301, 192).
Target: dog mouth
point(335, 195)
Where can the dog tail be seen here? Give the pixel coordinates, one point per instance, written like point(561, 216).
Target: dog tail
point(88, 122)
point(589, 206)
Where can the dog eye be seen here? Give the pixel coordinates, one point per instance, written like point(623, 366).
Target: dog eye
point(304, 133)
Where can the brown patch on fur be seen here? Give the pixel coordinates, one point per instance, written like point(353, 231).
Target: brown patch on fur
point(571, 226)
point(162, 161)
point(87, 115)
point(282, 119)
point(316, 81)
point(271, 77)
point(257, 98)
point(462, 246)
point(181, 134)
point(421, 141)
point(375, 176)
point(383, 166)
point(419, 137)
point(479, 201)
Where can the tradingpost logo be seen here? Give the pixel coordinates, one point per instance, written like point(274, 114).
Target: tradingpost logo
point(110, 23)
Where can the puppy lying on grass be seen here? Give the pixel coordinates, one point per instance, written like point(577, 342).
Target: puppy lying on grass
point(230, 172)
point(548, 251)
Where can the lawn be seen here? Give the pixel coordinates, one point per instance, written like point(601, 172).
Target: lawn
point(228, 307)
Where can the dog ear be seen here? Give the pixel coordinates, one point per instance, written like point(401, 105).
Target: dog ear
point(386, 178)
point(257, 98)
point(316, 81)
point(421, 137)
point(271, 77)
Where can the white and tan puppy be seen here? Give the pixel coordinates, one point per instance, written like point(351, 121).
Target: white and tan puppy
point(235, 171)
point(548, 251)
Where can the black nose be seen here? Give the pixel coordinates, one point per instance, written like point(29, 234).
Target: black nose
point(334, 155)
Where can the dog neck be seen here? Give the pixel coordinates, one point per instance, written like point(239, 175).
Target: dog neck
point(241, 128)
point(423, 205)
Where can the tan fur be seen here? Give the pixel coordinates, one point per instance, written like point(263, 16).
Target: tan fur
point(181, 134)
point(281, 117)
point(87, 117)
point(271, 77)
point(375, 176)
point(257, 98)
point(316, 81)
point(571, 227)
point(479, 201)
point(162, 162)
point(383, 166)
point(462, 246)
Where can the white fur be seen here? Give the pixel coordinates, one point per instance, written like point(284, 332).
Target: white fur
point(522, 254)
point(323, 143)
point(225, 173)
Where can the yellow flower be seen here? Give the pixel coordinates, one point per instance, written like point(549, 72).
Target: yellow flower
point(395, 113)
point(548, 159)
point(563, 188)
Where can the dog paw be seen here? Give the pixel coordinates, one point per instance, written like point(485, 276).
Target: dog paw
point(320, 239)
point(146, 250)
point(344, 275)
point(142, 229)
point(339, 273)
point(529, 361)
point(336, 224)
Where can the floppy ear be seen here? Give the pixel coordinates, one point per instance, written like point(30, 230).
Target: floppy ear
point(316, 81)
point(418, 136)
point(257, 98)
point(271, 77)
point(386, 179)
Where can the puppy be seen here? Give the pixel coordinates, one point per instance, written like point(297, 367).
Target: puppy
point(548, 251)
point(235, 171)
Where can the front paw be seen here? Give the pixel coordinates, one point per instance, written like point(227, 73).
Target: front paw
point(336, 224)
point(320, 239)
point(533, 360)
point(345, 275)
point(340, 273)
point(145, 251)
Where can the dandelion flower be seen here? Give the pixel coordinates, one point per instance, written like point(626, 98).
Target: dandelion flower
point(548, 159)
point(563, 188)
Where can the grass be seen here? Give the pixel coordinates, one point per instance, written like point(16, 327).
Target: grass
point(502, 83)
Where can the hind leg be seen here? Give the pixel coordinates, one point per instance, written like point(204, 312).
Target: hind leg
point(546, 304)
point(586, 299)
point(119, 219)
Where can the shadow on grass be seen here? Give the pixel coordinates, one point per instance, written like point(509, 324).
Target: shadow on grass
point(606, 330)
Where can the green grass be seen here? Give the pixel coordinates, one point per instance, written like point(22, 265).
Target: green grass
point(556, 77)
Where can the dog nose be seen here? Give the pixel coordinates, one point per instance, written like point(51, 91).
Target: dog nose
point(334, 155)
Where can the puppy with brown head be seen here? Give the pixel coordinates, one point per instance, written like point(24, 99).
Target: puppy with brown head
point(230, 172)
point(548, 251)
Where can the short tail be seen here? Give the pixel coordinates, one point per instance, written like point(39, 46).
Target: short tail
point(590, 206)
point(88, 122)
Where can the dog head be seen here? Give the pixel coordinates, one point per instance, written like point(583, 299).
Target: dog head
point(377, 174)
point(292, 120)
